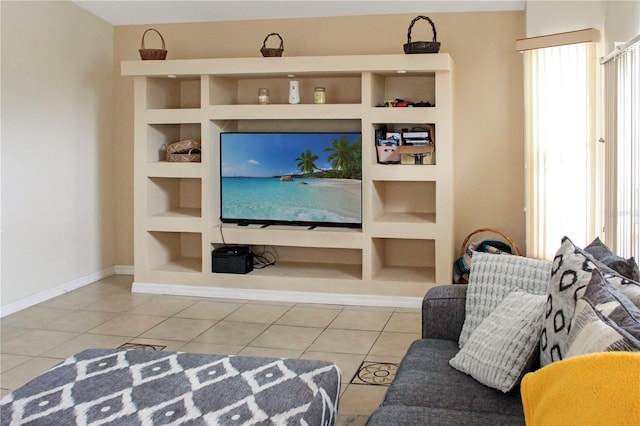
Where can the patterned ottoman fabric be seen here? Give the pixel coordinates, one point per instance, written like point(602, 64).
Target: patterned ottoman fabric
point(133, 387)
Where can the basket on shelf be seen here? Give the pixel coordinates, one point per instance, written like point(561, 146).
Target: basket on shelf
point(153, 54)
point(272, 51)
point(462, 265)
point(186, 151)
point(421, 46)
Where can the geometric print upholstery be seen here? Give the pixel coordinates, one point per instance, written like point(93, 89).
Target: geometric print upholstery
point(604, 321)
point(135, 387)
point(570, 274)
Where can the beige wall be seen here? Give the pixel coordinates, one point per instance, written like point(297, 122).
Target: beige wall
point(488, 120)
point(57, 219)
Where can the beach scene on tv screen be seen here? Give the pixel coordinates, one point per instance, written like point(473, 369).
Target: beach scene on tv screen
point(292, 177)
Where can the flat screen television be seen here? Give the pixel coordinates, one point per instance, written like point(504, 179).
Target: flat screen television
point(302, 178)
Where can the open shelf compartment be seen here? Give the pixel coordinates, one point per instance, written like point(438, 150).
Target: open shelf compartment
point(343, 89)
point(159, 136)
point(174, 197)
point(310, 262)
point(173, 93)
point(174, 251)
point(408, 260)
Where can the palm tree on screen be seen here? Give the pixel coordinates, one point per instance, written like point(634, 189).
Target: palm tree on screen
point(306, 162)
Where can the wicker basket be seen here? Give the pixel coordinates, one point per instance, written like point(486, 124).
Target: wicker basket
point(186, 151)
point(514, 247)
point(462, 265)
point(421, 46)
point(193, 156)
point(153, 54)
point(270, 51)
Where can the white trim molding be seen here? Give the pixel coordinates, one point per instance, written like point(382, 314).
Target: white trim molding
point(58, 290)
point(278, 296)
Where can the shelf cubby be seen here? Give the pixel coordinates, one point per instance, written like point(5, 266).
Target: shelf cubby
point(174, 197)
point(313, 262)
point(173, 93)
point(174, 251)
point(397, 259)
point(159, 136)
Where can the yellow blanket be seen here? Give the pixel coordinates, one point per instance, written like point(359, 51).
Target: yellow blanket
point(593, 389)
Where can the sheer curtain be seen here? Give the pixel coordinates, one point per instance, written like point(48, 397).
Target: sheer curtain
point(559, 146)
point(622, 149)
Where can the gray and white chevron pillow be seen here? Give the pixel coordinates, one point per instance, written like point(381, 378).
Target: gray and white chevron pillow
point(605, 320)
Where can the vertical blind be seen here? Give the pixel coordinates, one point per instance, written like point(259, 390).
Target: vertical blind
point(622, 150)
point(559, 146)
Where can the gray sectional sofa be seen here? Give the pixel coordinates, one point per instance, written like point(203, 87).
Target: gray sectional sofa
point(515, 315)
point(428, 391)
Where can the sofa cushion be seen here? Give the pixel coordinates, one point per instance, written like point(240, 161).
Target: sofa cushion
point(626, 267)
point(492, 278)
point(505, 345)
point(425, 379)
point(605, 320)
point(399, 415)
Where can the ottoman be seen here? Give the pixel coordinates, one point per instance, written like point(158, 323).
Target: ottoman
point(135, 387)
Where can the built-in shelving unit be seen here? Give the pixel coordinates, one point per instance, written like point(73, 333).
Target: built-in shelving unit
point(405, 245)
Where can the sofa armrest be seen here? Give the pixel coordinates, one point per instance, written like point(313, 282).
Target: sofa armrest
point(443, 312)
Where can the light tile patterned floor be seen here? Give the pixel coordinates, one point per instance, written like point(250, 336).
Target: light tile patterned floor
point(107, 315)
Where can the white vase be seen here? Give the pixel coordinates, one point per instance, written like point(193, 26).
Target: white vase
point(294, 92)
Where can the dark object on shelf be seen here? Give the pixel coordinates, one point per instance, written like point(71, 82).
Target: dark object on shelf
point(422, 46)
point(270, 51)
point(153, 54)
point(186, 151)
point(423, 104)
point(232, 260)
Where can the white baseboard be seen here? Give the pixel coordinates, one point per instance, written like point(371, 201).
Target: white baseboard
point(55, 291)
point(123, 270)
point(278, 296)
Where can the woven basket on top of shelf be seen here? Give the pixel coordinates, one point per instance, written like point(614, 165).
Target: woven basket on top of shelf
point(272, 51)
point(153, 54)
point(421, 46)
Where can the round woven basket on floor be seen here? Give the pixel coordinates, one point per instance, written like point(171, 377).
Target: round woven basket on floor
point(514, 247)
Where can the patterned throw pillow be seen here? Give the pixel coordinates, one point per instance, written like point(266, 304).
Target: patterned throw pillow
point(492, 278)
point(505, 345)
point(570, 274)
point(628, 268)
point(605, 321)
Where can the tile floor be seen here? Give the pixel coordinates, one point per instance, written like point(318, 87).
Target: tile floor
point(107, 315)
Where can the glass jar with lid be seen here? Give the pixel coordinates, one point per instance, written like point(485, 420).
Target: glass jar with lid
point(320, 95)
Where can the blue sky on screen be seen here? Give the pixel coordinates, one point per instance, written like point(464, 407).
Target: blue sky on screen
point(272, 154)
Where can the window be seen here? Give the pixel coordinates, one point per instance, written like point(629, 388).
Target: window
point(560, 143)
point(622, 149)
